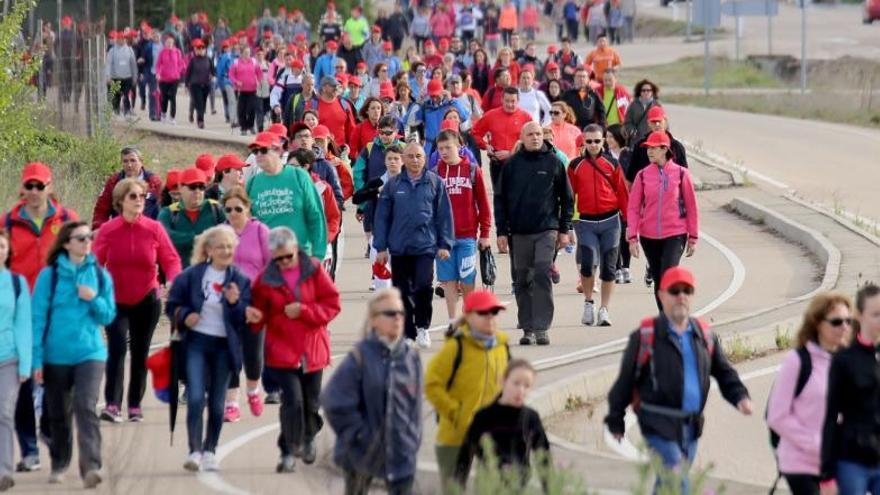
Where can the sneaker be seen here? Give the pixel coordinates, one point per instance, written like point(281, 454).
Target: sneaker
point(112, 414)
point(255, 403)
point(627, 276)
point(372, 285)
point(201, 124)
point(173, 121)
point(182, 399)
point(541, 338)
point(554, 274)
point(604, 319)
point(309, 452)
point(28, 463)
point(56, 477)
point(273, 398)
point(589, 317)
point(287, 464)
point(440, 291)
point(209, 462)
point(135, 414)
point(6, 483)
point(232, 413)
point(92, 479)
point(243, 132)
point(649, 280)
point(164, 118)
point(618, 276)
point(423, 338)
point(193, 462)
point(528, 338)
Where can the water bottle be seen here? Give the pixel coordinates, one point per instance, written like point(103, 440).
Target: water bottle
point(569, 248)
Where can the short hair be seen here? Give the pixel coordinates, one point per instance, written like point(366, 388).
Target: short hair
point(131, 149)
point(123, 187)
point(448, 135)
point(238, 193)
point(281, 237)
point(394, 148)
point(594, 128)
point(510, 90)
point(303, 156)
point(499, 71)
point(387, 121)
point(566, 39)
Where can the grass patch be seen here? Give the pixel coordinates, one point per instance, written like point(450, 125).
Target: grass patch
point(784, 340)
point(739, 349)
point(688, 73)
point(164, 152)
point(647, 26)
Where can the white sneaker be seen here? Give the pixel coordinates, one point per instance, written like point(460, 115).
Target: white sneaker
point(604, 319)
point(423, 338)
point(627, 276)
point(209, 462)
point(588, 317)
point(173, 121)
point(193, 462)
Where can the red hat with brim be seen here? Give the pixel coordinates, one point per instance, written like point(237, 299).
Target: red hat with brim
point(192, 175)
point(448, 125)
point(435, 88)
point(320, 132)
point(386, 45)
point(198, 43)
point(377, 29)
point(482, 300)
point(297, 64)
point(429, 43)
point(265, 140)
point(36, 171)
point(279, 130)
point(112, 35)
point(355, 81)
point(229, 162)
point(299, 37)
point(361, 65)
point(172, 179)
point(656, 114)
point(332, 45)
point(67, 21)
point(551, 49)
point(656, 139)
point(677, 275)
point(205, 162)
point(551, 66)
point(342, 79)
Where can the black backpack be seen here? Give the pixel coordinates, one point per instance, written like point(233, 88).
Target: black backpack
point(804, 372)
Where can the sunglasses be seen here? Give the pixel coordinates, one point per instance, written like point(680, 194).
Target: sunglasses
point(283, 257)
point(391, 313)
point(30, 186)
point(555, 112)
point(136, 196)
point(196, 187)
point(675, 291)
point(836, 322)
point(84, 238)
point(261, 151)
point(230, 209)
point(492, 312)
point(593, 141)
point(387, 133)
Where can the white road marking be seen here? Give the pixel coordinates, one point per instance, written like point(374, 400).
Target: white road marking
point(217, 483)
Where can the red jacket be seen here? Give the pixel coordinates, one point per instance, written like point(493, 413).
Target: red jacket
point(30, 245)
point(132, 253)
point(331, 209)
point(470, 201)
point(598, 192)
point(104, 206)
point(503, 126)
point(304, 341)
point(513, 68)
point(363, 133)
point(621, 96)
point(492, 99)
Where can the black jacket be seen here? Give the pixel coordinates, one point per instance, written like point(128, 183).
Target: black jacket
point(351, 57)
point(589, 110)
point(854, 395)
point(639, 159)
point(396, 27)
point(199, 71)
point(666, 387)
point(533, 195)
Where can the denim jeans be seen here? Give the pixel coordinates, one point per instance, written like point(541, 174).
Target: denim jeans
point(673, 453)
point(207, 372)
point(857, 479)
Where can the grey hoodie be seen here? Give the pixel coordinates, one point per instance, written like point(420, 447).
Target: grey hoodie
point(121, 63)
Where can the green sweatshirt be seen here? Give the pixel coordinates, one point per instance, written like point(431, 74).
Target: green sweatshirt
point(183, 231)
point(291, 200)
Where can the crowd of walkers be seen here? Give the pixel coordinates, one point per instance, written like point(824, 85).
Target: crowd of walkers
point(396, 116)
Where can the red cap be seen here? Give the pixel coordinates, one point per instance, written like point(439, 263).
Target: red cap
point(551, 66)
point(444, 42)
point(265, 140)
point(198, 43)
point(112, 35)
point(448, 125)
point(428, 43)
point(279, 130)
point(290, 48)
point(528, 68)
point(675, 276)
point(356, 81)
point(481, 300)
point(174, 19)
point(579, 141)
point(386, 45)
point(551, 49)
point(192, 175)
point(386, 90)
point(297, 64)
point(299, 37)
point(172, 179)
point(225, 44)
point(342, 78)
point(332, 45)
point(361, 65)
point(230, 161)
point(381, 271)
point(435, 88)
point(656, 138)
point(37, 171)
point(205, 162)
point(66, 21)
point(320, 132)
point(377, 29)
point(656, 113)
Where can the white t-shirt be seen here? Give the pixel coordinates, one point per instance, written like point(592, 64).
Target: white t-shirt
point(211, 317)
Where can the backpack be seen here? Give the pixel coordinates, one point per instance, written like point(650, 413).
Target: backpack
point(53, 284)
point(215, 212)
point(646, 350)
point(456, 361)
point(804, 372)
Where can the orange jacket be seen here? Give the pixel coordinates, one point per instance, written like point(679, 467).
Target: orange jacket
point(30, 245)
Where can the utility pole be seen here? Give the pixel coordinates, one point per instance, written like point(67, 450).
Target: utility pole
point(131, 13)
point(803, 46)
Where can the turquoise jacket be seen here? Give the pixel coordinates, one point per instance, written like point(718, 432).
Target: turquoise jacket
point(16, 340)
point(74, 334)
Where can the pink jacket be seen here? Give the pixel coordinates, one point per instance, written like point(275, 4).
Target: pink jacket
point(245, 74)
point(799, 421)
point(442, 25)
point(170, 65)
point(653, 209)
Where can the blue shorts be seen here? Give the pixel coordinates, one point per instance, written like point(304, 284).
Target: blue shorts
point(461, 266)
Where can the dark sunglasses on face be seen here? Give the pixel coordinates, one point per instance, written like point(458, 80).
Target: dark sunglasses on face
point(261, 151)
point(196, 187)
point(836, 322)
point(492, 312)
point(387, 133)
point(230, 209)
point(30, 186)
point(675, 291)
point(136, 196)
point(593, 141)
point(283, 257)
point(84, 238)
point(391, 313)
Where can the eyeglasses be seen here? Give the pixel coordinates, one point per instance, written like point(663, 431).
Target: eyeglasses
point(555, 112)
point(136, 196)
point(261, 151)
point(593, 141)
point(387, 133)
point(30, 186)
point(230, 209)
point(391, 313)
point(836, 322)
point(647, 90)
point(283, 257)
point(84, 237)
point(491, 312)
point(675, 291)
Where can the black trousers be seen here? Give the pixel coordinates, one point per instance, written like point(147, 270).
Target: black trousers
point(300, 394)
point(133, 328)
point(124, 93)
point(168, 90)
point(252, 344)
point(662, 254)
point(625, 257)
point(199, 94)
point(413, 275)
point(72, 393)
point(359, 484)
point(802, 484)
point(247, 109)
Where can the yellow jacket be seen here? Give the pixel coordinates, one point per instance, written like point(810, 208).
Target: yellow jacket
point(477, 382)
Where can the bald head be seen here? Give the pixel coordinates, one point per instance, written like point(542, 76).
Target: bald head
point(532, 136)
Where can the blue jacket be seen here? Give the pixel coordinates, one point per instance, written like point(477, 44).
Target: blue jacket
point(325, 65)
point(74, 335)
point(431, 115)
point(224, 63)
point(374, 404)
point(393, 63)
point(16, 335)
point(413, 216)
point(186, 297)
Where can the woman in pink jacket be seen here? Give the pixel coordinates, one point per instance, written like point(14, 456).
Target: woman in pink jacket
point(662, 211)
point(169, 68)
point(245, 75)
point(442, 23)
point(797, 404)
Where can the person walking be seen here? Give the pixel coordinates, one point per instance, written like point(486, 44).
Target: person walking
point(132, 167)
point(170, 67)
point(16, 351)
point(533, 211)
point(207, 304)
point(432, 110)
point(635, 123)
point(245, 75)
point(499, 130)
point(586, 104)
point(413, 226)
point(565, 133)
point(192, 215)
point(380, 378)
point(662, 213)
point(465, 376)
point(657, 122)
point(295, 300)
point(615, 143)
point(198, 78)
point(666, 365)
point(73, 299)
point(602, 200)
point(532, 100)
point(850, 452)
point(132, 247)
point(796, 407)
point(603, 57)
point(121, 70)
point(615, 97)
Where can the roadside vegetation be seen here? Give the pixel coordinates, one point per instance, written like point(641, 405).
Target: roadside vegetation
point(648, 26)
point(688, 73)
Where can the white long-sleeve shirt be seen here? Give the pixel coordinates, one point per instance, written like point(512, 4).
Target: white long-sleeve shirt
point(534, 102)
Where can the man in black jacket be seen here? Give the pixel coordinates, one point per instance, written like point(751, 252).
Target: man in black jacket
point(666, 365)
point(657, 122)
point(587, 105)
point(533, 210)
